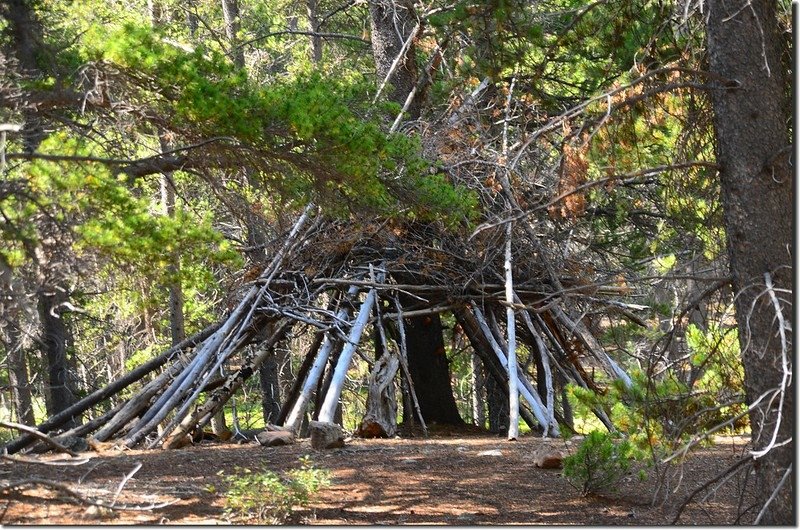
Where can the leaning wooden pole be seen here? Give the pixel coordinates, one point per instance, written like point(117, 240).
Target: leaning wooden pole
point(482, 348)
point(215, 348)
point(337, 382)
point(401, 329)
point(302, 373)
point(579, 330)
point(513, 384)
point(531, 397)
point(175, 432)
point(545, 363)
point(109, 390)
point(296, 415)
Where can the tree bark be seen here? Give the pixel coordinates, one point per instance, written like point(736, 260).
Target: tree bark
point(176, 320)
point(270, 389)
point(312, 9)
point(497, 404)
point(753, 152)
point(59, 395)
point(380, 419)
point(230, 12)
point(430, 370)
point(391, 23)
point(26, 34)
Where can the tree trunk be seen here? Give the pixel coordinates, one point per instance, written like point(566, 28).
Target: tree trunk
point(230, 12)
point(497, 402)
point(430, 370)
point(270, 389)
point(392, 23)
point(753, 151)
point(176, 321)
point(380, 419)
point(12, 309)
point(26, 32)
point(312, 9)
point(59, 396)
point(20, 384)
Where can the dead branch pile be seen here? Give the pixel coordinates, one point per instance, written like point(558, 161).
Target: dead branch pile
point(504, 286)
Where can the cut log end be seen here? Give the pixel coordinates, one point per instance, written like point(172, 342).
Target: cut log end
point(371, 429)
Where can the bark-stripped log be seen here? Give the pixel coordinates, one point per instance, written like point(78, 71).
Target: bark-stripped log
point(299, 408)
point(109, 390)
point(537, 407)
point(513, 384)
point(332, 397)
point(204, 414)
point(482, 348)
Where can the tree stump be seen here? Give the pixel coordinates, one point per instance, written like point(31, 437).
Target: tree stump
point(380, 420)
point(326, 435)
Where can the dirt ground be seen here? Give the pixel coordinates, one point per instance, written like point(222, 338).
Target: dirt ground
point(458, 480)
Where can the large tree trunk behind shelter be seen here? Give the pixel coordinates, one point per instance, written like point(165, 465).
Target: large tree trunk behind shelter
point(753, 151)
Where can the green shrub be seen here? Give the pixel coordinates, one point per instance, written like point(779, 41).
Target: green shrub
point(265, 497)
point(599, 463)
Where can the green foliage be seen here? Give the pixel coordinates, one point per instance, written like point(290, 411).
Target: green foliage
point(265, 497)
point(313, 131)
point(600, 462)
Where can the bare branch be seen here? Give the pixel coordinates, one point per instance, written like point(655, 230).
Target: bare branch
point(37, 433)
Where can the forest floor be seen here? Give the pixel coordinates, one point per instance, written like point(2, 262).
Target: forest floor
point(452, 478)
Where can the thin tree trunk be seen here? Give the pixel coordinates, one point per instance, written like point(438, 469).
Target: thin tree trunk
point(12, 310)
point(478, 392)
point(230, 13)
point(527, 391)
point(312, 9)
point(59, 396)
point(176, 320)
point(751, 119)
point(18, 378)
point(270, 389)
point(513, 391)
